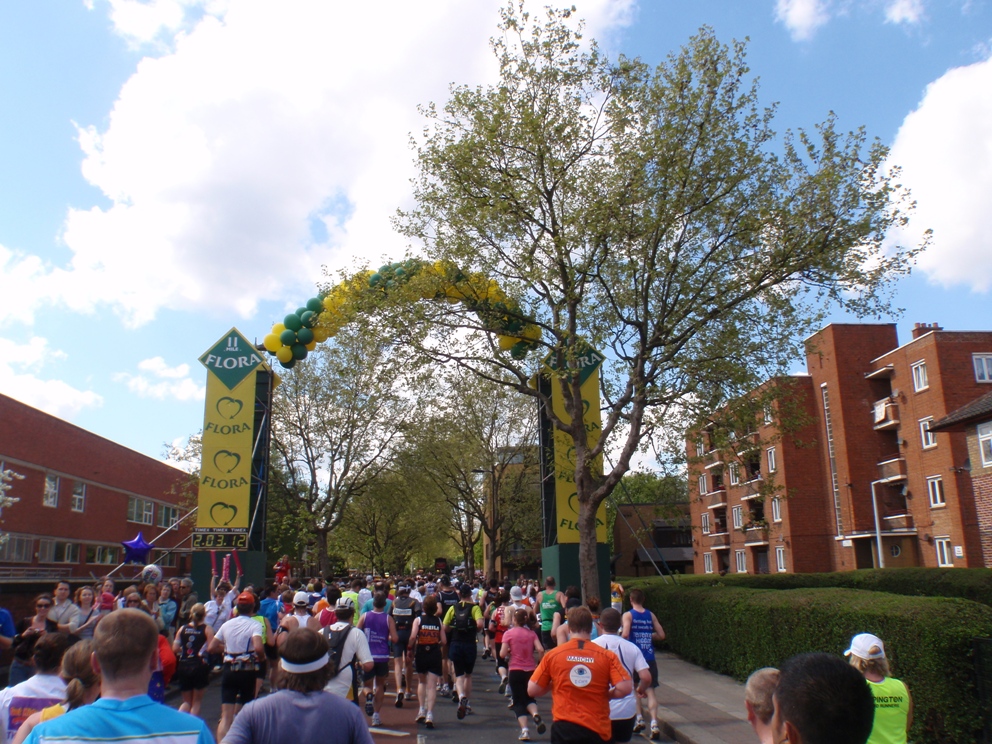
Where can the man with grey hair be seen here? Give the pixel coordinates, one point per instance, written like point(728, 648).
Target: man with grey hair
point(187, 598)
point(758, 693)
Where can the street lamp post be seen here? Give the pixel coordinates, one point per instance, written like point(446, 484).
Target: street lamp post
point(493, 520)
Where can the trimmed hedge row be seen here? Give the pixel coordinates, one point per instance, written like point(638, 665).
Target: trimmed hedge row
point(735, 630)
point(966, 583)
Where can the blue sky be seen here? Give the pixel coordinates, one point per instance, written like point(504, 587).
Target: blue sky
point(171, 168)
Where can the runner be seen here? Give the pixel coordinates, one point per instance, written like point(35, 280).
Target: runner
point(193, 670)
point(616, 594)
point(380, 631)
point(519, 646)
point(404, 611)
point(549, 602)
point(623, 710)
point(500, 621)
point(240, 640)
point(428, 636)
point(487, 602)
point(299, 618)
point(354, 653)
point(641, 627)
point(463, 621)
point(447, 598)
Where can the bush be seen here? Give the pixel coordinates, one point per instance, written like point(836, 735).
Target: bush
point(736, 630)
point(965, 583)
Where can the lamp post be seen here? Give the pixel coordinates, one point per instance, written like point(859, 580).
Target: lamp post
point(493, 521)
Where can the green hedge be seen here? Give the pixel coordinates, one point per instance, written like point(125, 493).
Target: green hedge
point(966, 583)
point(735, 630)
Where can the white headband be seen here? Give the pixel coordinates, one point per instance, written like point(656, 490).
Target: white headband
point(310, 666)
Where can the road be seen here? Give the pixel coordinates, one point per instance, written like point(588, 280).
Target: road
point(488, 723)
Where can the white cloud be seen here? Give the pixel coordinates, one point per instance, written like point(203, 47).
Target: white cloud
point(802, 17)
point(945, 150)
point(904, 11)
point(162, 382)
point(19, 368)
point(253, 124)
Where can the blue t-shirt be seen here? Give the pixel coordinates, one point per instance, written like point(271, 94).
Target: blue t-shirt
point(7, 627)
point(136, 719)
point(641, 630)
point(292, 717)
point(269, 608)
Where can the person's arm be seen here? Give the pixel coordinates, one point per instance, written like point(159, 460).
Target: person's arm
point(626, 620)
point(643, 682)
point(256, 642)
point(414, 630)
point(216, 644)
point(562, 635)
point(622, 689)
point(659, 632)
point(71, 618)
point(213, 583)
point(168, 610)
point(7, 630)
point(393, 635)
point(361, 623)
point(444, 636)
point(538, 647)
point(555, 624)
point(27, 727)
point(479, 622)
point(909, 716)
point(177, 644)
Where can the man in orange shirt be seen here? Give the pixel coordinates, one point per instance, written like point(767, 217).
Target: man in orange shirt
point(582, 678)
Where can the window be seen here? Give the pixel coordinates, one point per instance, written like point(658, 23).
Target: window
point(51, 495)
point(780, 559)
point(935, 487)
point(706, 524)
point(735, 473)
point(738, 517)
point(107, 555)
point(928, 437)
point(56, 551)
point(741, 561)
point(768, 414)
point(168, 516)
point(139, 510)
point(985, 444)
point(708, 562)
point(17, 549)
point(164, 558)
point(983, 367)
point(702, 485)
point(78, 496)
point(920, 381)
point(700, 448)
point(772, 463)
point(776, 510)
point(944, 555)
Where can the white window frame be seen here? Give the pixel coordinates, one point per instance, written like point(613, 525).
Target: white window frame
point(705, 523)
point(927, 437)
point(772, 460)
point(707, 563)
point(702, 485)
point(776, 509)
point(945, 553)
point(935, 490)
point(738, 515)
point(985, 444)
point(780, 563)
point(103, 555)
point(17, 549)
point(921, 380)
point(740, 556)
point(700, 448)
point(768, 414)
point(983, 367)
point(78, 496)
point(48, 549)
point(147, 514)
point(735, 473)
point(50, 496)
point(168, 517)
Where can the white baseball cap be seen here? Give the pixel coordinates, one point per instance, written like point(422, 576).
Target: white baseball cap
point(301, 599)
point(862, 645)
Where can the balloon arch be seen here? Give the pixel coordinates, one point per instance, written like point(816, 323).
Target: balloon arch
point(323, 315)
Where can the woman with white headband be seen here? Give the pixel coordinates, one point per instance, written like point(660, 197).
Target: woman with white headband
point(301, 710)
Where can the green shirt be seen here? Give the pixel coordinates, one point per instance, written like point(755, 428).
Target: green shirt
point(891, 711)
point(549, 605)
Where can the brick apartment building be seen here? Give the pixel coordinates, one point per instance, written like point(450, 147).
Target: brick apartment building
point(648, 538)
point(865, 470)
point(82, 495)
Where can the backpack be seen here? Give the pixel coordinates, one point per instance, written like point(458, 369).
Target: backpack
point(463, 624)
point(335, 642)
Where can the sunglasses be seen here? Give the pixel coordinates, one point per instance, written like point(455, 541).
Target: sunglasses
point(43, 606)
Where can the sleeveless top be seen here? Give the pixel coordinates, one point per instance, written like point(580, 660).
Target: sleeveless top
point(891, 711)
point(377, 633)
point(429, 635)
point(53, 711)
point(549, 606)
point(641, 630)
point(191, 641)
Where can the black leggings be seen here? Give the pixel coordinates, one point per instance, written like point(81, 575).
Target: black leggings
point(518, 688)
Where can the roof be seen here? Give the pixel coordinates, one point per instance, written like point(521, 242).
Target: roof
point(975, 412)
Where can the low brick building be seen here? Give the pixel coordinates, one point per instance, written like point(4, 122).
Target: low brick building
point(648, 538)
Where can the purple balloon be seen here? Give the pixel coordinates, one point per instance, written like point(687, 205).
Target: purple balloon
point(137, 550)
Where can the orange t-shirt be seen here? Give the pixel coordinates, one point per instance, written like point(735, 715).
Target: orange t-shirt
point(580, 675)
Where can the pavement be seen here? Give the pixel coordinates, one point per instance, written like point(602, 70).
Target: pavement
point(696, 706)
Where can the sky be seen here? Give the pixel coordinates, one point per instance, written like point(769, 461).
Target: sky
point(172, 168)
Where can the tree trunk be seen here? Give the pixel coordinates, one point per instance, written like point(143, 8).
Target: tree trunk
point(323, 559)
point(588, 566)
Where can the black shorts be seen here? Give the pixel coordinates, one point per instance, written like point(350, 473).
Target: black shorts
point(548, 640)
point(623, 730)
point(237, 687)
point(566, 732)
point(399, 648)
point(263, 669)
point(379, 670)
point(193, 677)
point(428, 663)
point(462, 655)
point(518, 690)
point(653, 668)
point(501, 662)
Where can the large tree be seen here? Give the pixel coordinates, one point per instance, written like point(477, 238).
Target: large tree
point(651, 212)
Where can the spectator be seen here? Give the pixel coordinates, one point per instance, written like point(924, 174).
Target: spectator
point(758, 692)
point(89, 613)
point(187, 598)
point(7, 629)
point(64, 612)
point(893, 704)
point(43, 689)
point(169, 608)
point(124, 645)
point(821, 700)
point(29, 630)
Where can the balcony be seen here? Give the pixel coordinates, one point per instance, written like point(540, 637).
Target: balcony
point(886, 414)
point(892, 470)
point(716, 499)
point(719, 540)
point(756, 536)
point(899, 523)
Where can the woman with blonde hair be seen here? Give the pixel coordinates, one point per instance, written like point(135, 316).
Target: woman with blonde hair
point(82, 688)
point(190, 647)
point(893, 704)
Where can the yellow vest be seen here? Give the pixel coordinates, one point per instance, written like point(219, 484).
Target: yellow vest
point(891, 711)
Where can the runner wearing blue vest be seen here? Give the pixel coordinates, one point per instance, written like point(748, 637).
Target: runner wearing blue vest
point(641, 627)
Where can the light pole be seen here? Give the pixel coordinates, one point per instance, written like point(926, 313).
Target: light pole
point(493, 521)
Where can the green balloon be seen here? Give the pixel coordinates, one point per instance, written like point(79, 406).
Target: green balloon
point(300, 311)
point(385, 269)
point(308, 318)
point(375, 279)
point(299, 351)
point(305, 336)
point(315, 304)
point(288, 337)
point(292, 322)
point(288, 365)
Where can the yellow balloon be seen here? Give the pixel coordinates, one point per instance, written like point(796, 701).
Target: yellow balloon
point(507, 342)
point(271, 343)
point(312, 345)
point(329, 302)
point(320, 335)
point(284, 354)
point(278, 328)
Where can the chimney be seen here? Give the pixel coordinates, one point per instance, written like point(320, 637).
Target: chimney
point(920, 329)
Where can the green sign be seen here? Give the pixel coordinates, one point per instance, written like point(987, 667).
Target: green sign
point(231, 359)
point(587, 360)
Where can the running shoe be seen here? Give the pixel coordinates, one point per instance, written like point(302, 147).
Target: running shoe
point(410, 696)
point(541, 728)
point(486, 654)
point(430, 721)
point(655, 731)
point(399, 699)
point(524, 735)
point(376, 721)
point(502, 686)
point(454, 696)
point(509, 705)
point(638, 725)
point(422, 715)
point(369, 707)
point(462, 708)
